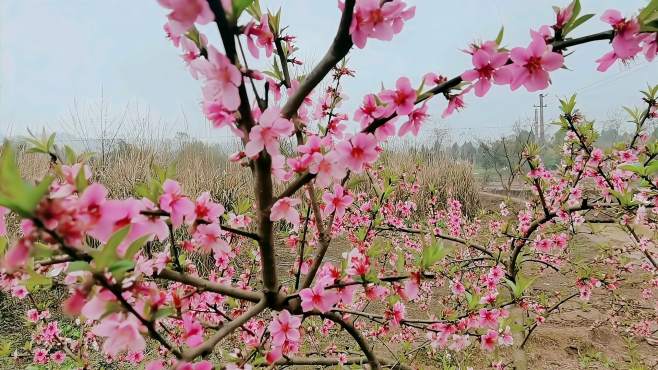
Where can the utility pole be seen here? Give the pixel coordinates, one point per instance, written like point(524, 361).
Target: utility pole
point(541, 107)
point(535, 125)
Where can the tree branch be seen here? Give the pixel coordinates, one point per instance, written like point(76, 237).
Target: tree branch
point(208, 346)
point(356, 334)
point(210, 286)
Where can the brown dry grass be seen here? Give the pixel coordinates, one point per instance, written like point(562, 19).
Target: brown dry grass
point(202, 167)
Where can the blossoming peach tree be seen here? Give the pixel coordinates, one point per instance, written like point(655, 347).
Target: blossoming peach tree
point(413, 277)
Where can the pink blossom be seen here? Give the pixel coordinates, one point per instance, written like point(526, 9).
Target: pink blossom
point(74, 303)
point(218, 114)
point(455, 102)
point(155, 365)
point(193, 333)
point(3, 224)
point(489, 340)
point(376, 20)
point(274, 354)
point(402, 99)
point(123, 334)
point(458, 288)
point(207, 210)
point(96, 307)
point(416, 119)
point(40, 356)
point(397, 313)
point(369, 111)
point(358, 151)
point(135, 357)
point(222, 78)
point(488, 318)
point(209, 237)
point(432, 79)
point(175, 38)
point(201, 365)
point(326, 168)
point(174, 202)
point(650, 46)
point(285, 328)
point(58, 357)
point(626, 42)
point(184, 13)
point(562, 16)
point(488, 68)
point(32, 315)
point(532, 65)
point(266, 134)
point(385, 131)
point(284, 209)
point(262, 34)
point(338, 201)
point(459, 342)
point(506, 338)
point(17, 255)
point(318, 297)
point(191, 52)
point(91, 202)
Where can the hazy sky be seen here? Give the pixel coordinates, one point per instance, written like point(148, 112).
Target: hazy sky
point(54, 53)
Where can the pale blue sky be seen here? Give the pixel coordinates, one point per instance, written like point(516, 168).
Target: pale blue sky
point(53, 52)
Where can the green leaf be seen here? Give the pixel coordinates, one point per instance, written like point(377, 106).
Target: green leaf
point(651, 168)
point(254, 10)
point(576, 9)
point(71, 157)
point(3, 245)
point(5, 348)
point(400, 262)
point(472, 299)
point(501, 33)
point(78, 266)
point(16, 194)
point(164, 312)
point(41, 250)
point(510, 284)
point(136, 246)
point(243, 206)
point(636, 168)
point(648, 11)
point(81, 182)
point(36, 282)
point(107, 254)
point(119, 268)
point(522, 284)
point(238, 7)
point(580, 21)
point(433, 253)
